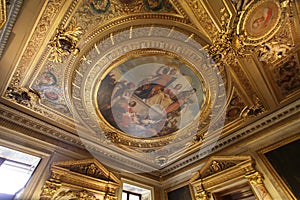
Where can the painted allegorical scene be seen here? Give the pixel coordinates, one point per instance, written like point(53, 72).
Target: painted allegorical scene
point(150, 96)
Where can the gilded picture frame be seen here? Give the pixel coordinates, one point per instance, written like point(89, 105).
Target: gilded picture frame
point(277, 174)
point(120, 135)
point(260, 21)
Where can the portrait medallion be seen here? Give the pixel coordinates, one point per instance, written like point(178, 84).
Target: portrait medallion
point(260, 21)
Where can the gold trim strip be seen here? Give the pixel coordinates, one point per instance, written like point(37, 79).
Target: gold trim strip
point(2, 13)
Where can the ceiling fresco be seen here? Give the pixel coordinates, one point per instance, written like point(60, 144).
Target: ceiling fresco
point(149, 84)
point(150, 96)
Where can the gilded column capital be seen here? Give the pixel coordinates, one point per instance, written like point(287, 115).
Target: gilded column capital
point(256, 181)
point(202, 196)
point(255, 178)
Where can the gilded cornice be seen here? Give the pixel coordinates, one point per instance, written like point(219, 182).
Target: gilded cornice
point(10, 12)
point(253, 129)
point(31, 126)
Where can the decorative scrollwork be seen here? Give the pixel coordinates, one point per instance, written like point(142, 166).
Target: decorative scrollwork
point(255, 178)
point(64, 42)
point(49, 189)
point(226, 43)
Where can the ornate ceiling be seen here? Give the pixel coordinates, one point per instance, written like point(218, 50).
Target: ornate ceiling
point(149, 86)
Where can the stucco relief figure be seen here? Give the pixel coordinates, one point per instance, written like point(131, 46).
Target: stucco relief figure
point(240, 4)
point(273, 51)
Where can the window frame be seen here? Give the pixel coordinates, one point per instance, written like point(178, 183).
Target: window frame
point(129, 193)
point(26, 144)
point(137, 184)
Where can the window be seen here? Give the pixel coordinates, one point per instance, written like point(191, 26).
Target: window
point(16, 168)
point(134, 192)
point(126, 195)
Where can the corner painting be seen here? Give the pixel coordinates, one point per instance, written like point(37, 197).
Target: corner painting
point(287, 77)
point(262, 19)
point(150, 96)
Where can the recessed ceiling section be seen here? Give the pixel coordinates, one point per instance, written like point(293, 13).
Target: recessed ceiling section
point(152, 84)
point(147, 89)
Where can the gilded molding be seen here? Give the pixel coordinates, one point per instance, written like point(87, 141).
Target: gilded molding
point(203, 17)
point(202, 196)
point(2, 13)
point(256, 181)
point(41, 30)
point(221, 177)
point(243, 80)
point(278, 179)
point(82, 175)
point(29, 125)
point(255, 178)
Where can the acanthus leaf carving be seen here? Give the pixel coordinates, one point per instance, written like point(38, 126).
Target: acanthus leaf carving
point(78, 195)
point(65, 41)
